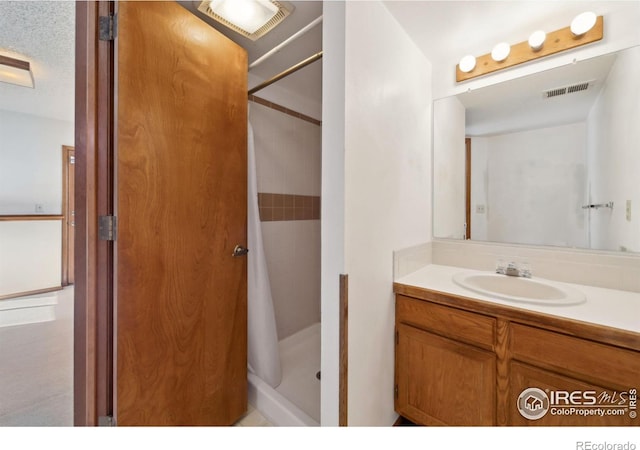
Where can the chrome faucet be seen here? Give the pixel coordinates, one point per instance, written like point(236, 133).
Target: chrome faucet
point(513, 270)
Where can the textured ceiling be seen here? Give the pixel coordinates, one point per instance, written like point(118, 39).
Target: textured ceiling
point(43, 33)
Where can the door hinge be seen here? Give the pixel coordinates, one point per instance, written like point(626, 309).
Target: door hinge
point(107, 228)
point(395, 391)
point(108, 27)
point(72, 159)
point(106, 421)
point(397, 338)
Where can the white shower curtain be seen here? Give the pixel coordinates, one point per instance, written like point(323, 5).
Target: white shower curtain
point(263, 354)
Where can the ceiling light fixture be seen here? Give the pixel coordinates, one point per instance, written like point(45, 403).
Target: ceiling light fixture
point(585, 29)
point(16, 71)
point(251, 18)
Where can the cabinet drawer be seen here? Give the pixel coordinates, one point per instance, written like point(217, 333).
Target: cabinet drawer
point(451, 322)
point(590, 360)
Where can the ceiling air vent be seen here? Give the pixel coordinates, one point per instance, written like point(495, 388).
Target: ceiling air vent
point(578, 87)
point(555, 92)
point(567, 89)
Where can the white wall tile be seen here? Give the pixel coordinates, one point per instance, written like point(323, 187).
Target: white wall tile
point(288, 158)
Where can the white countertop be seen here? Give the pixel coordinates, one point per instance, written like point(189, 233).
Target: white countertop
point(608, 307)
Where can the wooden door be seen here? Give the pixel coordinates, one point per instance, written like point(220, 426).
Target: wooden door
point(69, 212)
point(180, 295)
point(443, 382)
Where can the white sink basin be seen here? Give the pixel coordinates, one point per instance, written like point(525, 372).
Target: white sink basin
point(526, 290)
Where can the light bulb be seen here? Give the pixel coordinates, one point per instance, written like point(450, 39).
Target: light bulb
point(467, 63)
point(536, 40)
point(583, 23)
point(500, 52)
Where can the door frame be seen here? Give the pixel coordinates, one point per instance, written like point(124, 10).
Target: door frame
point(67, 268)
point(93, 259)
point(467, 187)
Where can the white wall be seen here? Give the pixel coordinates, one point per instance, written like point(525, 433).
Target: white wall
point(620, 31)
point(387, 192)
point(614, 156)
point(30, 174)
point(333, 204)
point(30, 257)
point(449, 168)
point(288, 158)
point(479, 185)
point(31, 162)
point(536, 186)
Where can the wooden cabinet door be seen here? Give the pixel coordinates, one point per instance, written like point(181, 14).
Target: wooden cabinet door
point(443, 382)
point(524, 376)
point(181, 190)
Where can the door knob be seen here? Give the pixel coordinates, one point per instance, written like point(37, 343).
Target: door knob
point(240, 251)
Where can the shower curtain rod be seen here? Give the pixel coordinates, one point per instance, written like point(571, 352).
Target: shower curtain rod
point(286, 42)
point(286, 73)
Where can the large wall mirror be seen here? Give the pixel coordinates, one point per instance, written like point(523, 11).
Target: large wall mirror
point(549, 159)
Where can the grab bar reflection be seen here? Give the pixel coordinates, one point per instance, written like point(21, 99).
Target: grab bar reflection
point(598, 205)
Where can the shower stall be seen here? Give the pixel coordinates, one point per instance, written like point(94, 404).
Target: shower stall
point(284, 268)
point(284, 162)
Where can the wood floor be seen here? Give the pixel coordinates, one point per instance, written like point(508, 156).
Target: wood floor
point(36, 370)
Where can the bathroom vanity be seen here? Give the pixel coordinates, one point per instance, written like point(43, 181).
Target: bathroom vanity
point(465, 358)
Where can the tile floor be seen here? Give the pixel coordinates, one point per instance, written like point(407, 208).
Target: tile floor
point(253, 418)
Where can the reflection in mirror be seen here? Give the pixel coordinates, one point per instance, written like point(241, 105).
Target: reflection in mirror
point(554, 158)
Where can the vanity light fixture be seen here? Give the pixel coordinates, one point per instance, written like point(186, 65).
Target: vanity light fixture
point(585, 29)
point(583, 23)
point(16, 71)
point(536, 40)
point(251, 18)
point(500, 52)
point(467, 63)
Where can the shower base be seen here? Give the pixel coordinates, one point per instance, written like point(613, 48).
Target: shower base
point(296, 401)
